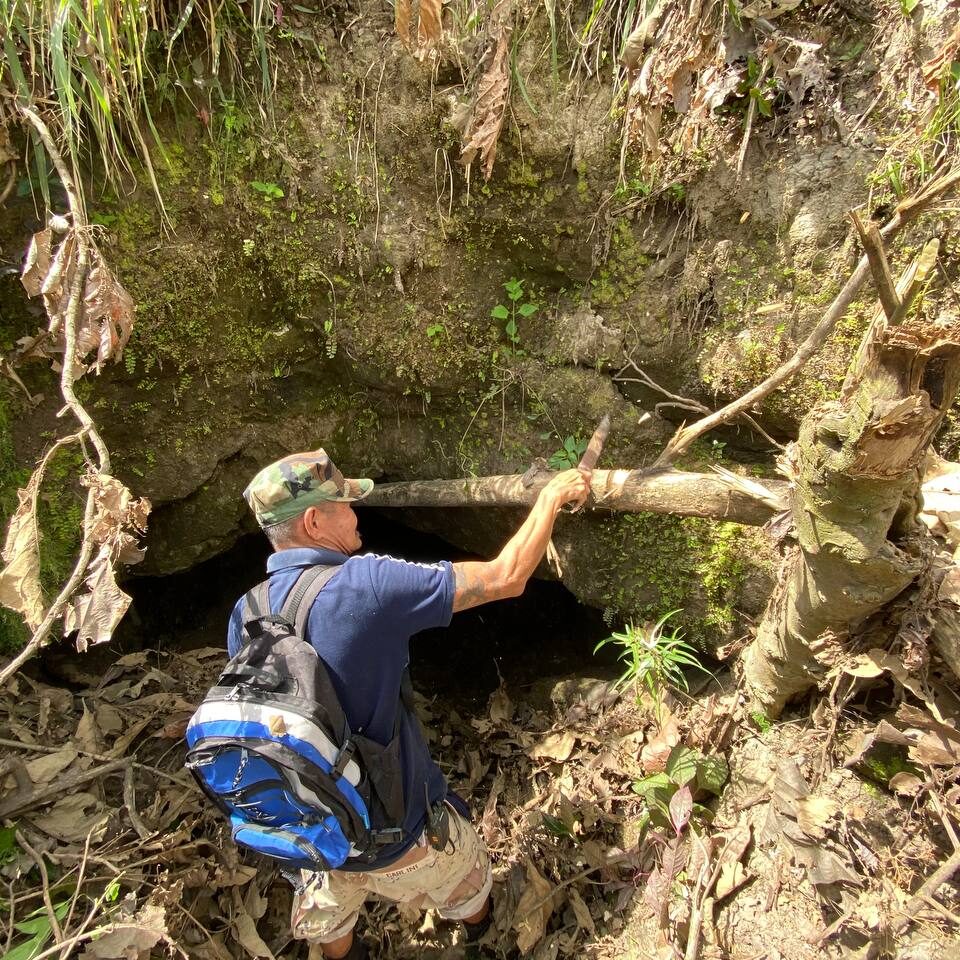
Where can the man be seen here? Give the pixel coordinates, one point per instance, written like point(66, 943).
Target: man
point(361, 624)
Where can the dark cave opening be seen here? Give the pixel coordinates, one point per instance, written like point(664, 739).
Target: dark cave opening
point(544, 633)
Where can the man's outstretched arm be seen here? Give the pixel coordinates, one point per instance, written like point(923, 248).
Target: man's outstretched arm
point(480, 582)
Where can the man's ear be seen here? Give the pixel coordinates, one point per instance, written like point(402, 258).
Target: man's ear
point(312, 522)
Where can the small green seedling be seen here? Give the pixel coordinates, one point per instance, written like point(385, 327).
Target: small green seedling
point(270, 191)
point(435, 331)
point(517, 306)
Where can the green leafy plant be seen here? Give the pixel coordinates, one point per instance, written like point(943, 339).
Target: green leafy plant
point(270, 191)
point(700, 773)
point(435, 331)
point(757, 87)
point(517, 306)
point(908, 6)
point(569, 454)
point(37, 927)
point(104, 65)
point(655, 658)
point(761, 721)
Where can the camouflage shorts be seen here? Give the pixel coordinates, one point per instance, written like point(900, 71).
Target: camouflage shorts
point(455, 881)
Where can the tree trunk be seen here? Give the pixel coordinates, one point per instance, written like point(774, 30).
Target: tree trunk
point(666, 491)
point(857, 473)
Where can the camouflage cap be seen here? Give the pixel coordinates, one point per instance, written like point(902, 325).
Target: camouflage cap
point(287, 487)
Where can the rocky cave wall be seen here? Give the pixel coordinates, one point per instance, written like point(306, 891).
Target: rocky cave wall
point(354, 312)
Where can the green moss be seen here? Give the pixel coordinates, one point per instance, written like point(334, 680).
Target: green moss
point(649, 564)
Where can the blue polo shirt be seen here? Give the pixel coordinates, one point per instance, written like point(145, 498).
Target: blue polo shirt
point(361, 624)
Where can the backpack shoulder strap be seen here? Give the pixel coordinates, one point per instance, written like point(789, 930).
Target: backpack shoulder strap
point(305, 591)
point(256, 602)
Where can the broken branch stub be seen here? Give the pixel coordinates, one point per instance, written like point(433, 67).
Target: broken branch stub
point(856, 473)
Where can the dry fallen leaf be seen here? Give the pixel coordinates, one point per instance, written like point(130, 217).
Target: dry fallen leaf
point(73, 817)
point(556, 747)
point(129, 939)
point(245, 930)
point(654, 755)
point(50, 765)
point(814, 813)
point(533, 910)
point(501, 708)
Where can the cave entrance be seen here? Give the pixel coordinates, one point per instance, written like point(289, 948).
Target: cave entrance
point(545, 633)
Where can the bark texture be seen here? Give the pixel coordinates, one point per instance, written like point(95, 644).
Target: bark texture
point(667, 491)
point(856, 468)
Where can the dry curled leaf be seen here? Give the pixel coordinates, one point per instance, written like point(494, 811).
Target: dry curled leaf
point(105, 322)
point(533, 910)
point(556, 747)
point(130, 938)
point(104, 316)
point(490, 107)
point(20, 578)
point(37, 263)
point(95, 614)
point(430, 28)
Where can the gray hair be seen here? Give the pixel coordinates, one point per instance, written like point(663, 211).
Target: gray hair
point(284, 533)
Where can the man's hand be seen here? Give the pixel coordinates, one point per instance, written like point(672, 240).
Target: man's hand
point(570, 486)
point(506, 576)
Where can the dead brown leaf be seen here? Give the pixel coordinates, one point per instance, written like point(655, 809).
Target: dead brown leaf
point(490, 103)
point(20, 578)
point(654, 755)
point(533, 910)
point(107, 316)
point(95, 614)
point(129, 939)
point(50, 765)
point(37, 264)
point(557, 747)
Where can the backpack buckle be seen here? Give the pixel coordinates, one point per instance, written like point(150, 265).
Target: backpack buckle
point(345, 755)
point(383, 838)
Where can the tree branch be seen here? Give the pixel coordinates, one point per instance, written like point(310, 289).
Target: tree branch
point(906, 212)
point(632, 491)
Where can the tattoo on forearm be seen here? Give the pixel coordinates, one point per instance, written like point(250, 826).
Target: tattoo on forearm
point(471, 589)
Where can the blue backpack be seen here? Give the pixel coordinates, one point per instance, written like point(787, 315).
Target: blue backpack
point(271, 747)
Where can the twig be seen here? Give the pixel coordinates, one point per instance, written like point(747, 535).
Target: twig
point(748, 125)
point(12, 918)
point(130, 799)
point(103, 758)
point(906, 212)
point(11, 180)
point(929, 888)
point(80, 876)
point(879, 267)
point(684, 402)
point(45, 880)
point(942, 910)
point(64, 786)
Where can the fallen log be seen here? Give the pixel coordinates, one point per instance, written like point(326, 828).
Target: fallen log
point(633, 491)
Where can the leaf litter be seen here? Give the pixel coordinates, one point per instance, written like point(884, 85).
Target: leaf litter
point(580, 854)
